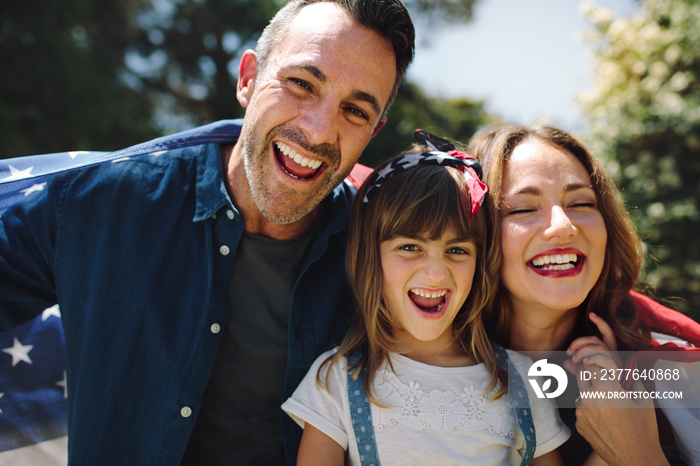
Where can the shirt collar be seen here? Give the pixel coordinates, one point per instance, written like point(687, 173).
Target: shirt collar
point(211, 188)
point(212, 194)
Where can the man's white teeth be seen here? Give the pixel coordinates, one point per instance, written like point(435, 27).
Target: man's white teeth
point(429, 294)
point(303, 161)
point(556, 262)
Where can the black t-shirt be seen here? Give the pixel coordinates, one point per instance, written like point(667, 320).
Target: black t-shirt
point(239, 419)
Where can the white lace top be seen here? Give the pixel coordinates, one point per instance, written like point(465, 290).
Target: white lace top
point(432, 415)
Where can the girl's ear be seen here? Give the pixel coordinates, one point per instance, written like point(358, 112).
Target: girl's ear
point(247, 72)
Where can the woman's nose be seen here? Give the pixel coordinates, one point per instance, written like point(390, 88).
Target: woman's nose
point(560, 224)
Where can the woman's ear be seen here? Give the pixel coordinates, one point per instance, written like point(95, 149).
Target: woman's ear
point(247, 71)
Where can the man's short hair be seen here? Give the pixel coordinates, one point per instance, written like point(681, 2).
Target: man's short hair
point(389, 18)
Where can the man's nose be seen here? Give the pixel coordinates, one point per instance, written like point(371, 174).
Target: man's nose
point(320, 122)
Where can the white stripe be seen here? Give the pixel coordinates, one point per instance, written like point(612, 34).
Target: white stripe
point(50, 453)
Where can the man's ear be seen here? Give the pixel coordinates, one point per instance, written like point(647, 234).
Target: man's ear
point(247, 71)
point(382, 122)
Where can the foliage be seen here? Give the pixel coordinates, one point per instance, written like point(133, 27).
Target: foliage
point(645, 116)
point(104, 75)
point(61, 83)
point(456, 119)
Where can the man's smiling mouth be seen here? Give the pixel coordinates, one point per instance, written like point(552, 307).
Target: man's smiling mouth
point(294, 164)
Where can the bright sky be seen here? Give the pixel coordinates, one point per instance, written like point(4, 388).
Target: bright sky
point(525, 58)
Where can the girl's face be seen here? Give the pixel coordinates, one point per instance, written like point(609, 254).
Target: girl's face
point(425, 283)
point(553, 236)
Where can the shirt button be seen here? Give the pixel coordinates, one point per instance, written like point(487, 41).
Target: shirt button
point(230, 214)
point(215, 328)
point(186, 412)
point(224, 250)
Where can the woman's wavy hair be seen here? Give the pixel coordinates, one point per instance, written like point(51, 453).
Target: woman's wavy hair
point(423, 200)
point(609, 297)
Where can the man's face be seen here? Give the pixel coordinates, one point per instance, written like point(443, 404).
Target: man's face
point(313, 109)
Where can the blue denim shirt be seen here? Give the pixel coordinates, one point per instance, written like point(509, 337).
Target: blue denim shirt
point(133, 252)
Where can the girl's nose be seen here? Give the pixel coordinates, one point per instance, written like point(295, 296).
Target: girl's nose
point(435, 271)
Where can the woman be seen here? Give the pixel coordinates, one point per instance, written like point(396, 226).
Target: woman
point(569, 258)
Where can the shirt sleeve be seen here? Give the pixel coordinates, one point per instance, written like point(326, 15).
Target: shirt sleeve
point(326, 408)
point(28, 237)
point(550, 430)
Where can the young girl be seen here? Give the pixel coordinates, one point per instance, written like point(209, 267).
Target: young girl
point(418, 266)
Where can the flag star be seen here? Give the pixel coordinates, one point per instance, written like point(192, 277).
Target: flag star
point(385, 171)
point(19, 352)
point(439, 156)
point(410, 160)
point(62, 383)
point(16, 174)
point(51, 311)
point(75, 153)
point(35, 188)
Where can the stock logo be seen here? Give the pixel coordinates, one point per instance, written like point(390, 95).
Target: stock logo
point(542, 368)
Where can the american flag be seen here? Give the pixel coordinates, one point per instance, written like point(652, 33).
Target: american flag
point(33, 400)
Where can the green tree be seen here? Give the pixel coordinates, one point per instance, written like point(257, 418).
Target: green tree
point(103, 75)
point(455, 119)
point(62, 80)
point(645, 116)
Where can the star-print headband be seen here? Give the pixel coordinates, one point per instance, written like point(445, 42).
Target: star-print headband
point(442, 153)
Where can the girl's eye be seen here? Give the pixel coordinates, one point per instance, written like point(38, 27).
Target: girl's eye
point(458, 251)
point(408, 247)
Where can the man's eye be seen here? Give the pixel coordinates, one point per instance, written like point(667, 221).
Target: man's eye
point(358, 113)
point(301, 83)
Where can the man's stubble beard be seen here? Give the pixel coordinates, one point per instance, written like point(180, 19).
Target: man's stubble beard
point(284, 206)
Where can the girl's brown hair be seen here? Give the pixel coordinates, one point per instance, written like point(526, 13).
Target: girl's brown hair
point(424, 200)
point(610, 297)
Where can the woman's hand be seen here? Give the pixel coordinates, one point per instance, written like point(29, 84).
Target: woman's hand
point(592, 351)
point(622, 431)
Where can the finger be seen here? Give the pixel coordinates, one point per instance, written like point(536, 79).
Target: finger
point(589, 350)
point(581, 342)
point(602, 360)
point(605, 330)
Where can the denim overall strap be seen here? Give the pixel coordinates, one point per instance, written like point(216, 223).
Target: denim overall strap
point(361, 414)
point(521, 404)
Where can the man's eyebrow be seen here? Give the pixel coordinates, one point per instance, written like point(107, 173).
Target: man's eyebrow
point(356, 95)
point(369, 98)
point(315, 71)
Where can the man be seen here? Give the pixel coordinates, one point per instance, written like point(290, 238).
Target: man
point(199, 276)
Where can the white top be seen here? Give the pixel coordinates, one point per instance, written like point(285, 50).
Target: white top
point(432, 415)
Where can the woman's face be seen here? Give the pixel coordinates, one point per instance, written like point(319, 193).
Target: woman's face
point(553, 235)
